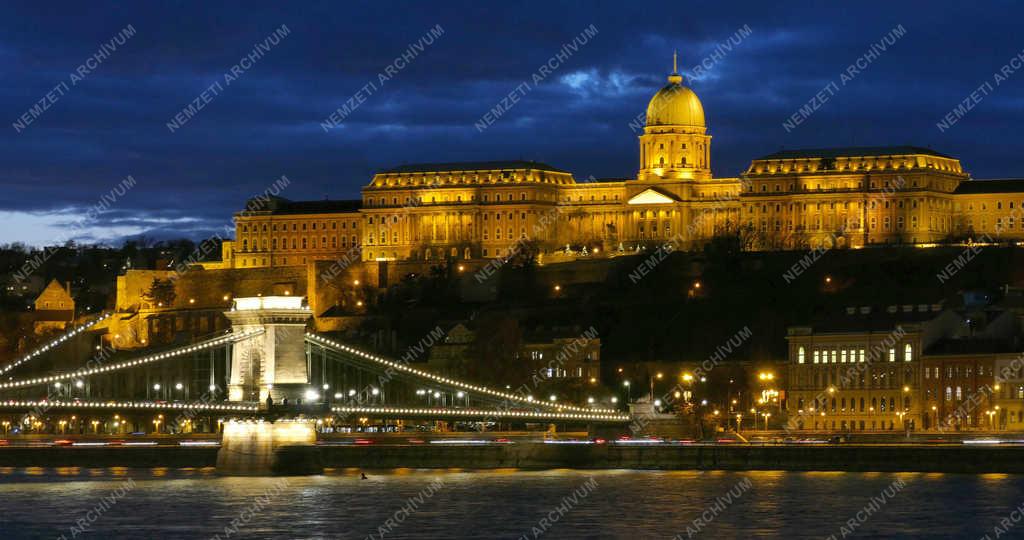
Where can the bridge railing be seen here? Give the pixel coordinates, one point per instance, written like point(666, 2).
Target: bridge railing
point(131, 363)
point(391, 366)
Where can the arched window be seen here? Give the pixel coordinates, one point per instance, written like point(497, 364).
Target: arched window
point(800, 356)
point(908, 352)
point(892, 355)
point(816, 356)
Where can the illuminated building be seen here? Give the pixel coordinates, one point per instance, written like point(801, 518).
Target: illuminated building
point(917, 366)
point(287, 233)
point(54, 308)
point(792, 199)
point(861, 370)
point(958, 379)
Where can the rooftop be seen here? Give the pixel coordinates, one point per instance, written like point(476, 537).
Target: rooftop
point(963, 346)
point(471, 166)
point(1001, 185)
point(282, 206)
point(853, 151)
point(874, 318)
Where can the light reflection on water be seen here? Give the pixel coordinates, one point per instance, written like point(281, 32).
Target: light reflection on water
point(506, 503)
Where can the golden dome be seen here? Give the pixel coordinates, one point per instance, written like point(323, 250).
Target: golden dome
point(675, 105)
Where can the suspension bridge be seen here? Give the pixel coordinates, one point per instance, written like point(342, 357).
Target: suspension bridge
point(267, 366)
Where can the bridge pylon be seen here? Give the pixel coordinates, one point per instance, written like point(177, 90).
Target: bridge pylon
point(273, 362)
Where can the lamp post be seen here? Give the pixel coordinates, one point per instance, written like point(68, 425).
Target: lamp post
point(658, 376)
point(629, 394)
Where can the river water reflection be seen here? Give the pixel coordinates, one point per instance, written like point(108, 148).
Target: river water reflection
point(195, 503)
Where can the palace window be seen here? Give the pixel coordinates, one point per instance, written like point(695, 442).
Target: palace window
point(908, 353)
point(892, 355)
point(816, 355)
point(800, 356)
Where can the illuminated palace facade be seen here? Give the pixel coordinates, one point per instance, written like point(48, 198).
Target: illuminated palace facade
point(843, 197)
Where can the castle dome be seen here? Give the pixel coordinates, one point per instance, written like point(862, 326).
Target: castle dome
point(675, 105)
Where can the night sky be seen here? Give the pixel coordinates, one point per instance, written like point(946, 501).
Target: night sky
point(112, 122)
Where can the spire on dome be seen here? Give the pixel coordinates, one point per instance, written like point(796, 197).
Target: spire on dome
point(675, 78)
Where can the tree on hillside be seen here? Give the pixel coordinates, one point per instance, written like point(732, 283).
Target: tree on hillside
point(161, 292)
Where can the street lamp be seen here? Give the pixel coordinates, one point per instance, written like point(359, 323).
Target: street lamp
point(629, 394)
point(658, 376)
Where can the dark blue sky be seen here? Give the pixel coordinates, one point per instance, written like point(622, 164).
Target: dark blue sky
point(113, 122)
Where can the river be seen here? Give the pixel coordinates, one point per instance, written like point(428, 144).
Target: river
point(195, 503)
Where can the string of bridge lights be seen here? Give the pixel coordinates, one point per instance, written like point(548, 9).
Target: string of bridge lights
point(230, 338)
point(53, 344)
point(199, 406)
point(338, 347)
point(483, 412)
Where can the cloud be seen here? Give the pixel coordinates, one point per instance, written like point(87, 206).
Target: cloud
point(268, 122)
point(73, 224)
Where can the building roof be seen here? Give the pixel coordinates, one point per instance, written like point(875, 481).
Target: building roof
point(54, 298)
point(965, 346)
point(282, 206)
point(471, 166)
point(853, 151)
point(1001, 185)
point(875, 319)
point(603, 180)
